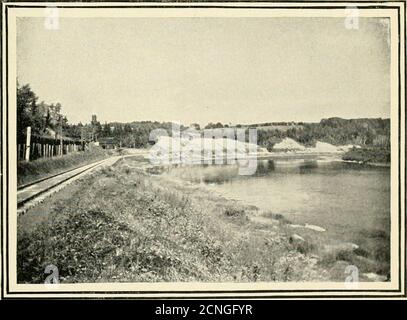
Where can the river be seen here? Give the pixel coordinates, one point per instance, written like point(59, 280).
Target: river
point(351, 201)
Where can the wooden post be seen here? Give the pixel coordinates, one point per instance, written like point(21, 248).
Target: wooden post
point(60, 135)
point(28, 143)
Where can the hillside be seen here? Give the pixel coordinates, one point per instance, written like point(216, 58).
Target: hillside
point(367, 133)
point(337, 131)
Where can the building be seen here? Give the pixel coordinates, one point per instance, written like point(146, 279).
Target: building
point(108, 143)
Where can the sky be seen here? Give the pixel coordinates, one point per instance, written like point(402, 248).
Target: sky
point(200, 70)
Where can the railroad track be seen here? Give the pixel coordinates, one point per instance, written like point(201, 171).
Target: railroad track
point(34, 192)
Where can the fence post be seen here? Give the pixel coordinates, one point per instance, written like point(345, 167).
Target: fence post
point(28, 144)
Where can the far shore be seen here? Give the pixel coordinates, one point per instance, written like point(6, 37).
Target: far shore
point(294, 155)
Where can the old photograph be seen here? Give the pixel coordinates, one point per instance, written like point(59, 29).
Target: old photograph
point(172, 146)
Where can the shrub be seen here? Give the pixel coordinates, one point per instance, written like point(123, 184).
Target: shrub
point(234, 212)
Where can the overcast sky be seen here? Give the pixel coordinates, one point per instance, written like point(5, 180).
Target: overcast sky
point(238, 70)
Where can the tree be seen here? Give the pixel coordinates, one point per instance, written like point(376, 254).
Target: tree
point(26, 105)
point(106, 130)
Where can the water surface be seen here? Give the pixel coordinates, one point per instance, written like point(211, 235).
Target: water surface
point(351, 201)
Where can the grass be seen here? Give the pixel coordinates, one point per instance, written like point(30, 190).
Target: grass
point(124, 225)
point(371, 256)
point(43, 167)
point(368, 155)
point(205, 173)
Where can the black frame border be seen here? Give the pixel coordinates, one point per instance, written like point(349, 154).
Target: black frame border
point(256, 294)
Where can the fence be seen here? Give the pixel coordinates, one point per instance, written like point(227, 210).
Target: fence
point(32, 146)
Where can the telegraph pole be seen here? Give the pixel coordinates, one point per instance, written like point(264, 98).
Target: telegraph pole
point(60, 136)
point(28, 144)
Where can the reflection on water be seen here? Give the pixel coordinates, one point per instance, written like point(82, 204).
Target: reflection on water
point(308, 167)
point(351, 201)
point(219, 174)
point(264, 167)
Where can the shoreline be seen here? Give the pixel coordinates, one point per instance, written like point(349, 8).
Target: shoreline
point(373, 164)
point(298, 155)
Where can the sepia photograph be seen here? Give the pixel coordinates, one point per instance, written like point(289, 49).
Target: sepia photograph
point(232, 148)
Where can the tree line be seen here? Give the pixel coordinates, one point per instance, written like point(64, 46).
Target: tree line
point(44, 118)
point(336, 131)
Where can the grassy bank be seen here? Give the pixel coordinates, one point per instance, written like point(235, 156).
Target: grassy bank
point(43, 167)
point(122, 224)
point(368, 156)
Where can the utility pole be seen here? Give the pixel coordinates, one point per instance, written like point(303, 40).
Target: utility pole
point(28, 144)
point(82, 144)
point(61, 142)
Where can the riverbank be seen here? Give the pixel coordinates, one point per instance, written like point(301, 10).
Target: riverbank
point(124, 225)
point(371, 156)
